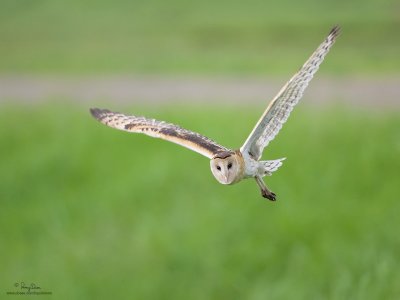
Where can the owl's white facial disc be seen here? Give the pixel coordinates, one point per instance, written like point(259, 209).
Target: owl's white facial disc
point(225, 170)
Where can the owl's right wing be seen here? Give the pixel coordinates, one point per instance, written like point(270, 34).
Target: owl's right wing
point(159, 129)
point(280, 107)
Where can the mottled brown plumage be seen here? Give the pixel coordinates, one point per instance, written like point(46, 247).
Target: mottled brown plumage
point(159, 129)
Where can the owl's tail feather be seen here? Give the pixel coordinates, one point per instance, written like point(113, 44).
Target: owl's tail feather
point(272, 165)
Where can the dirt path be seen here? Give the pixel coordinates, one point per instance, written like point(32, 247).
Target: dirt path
point(364, 92)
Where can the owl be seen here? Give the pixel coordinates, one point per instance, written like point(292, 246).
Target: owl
point(231, 166)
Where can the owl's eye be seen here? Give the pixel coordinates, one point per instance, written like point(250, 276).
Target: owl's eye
point(229, 165)
point(218, 168)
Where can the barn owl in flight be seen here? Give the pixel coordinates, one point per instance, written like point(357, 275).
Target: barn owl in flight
point(231, 166)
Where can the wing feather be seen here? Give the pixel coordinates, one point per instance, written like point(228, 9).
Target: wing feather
point(281, 106)
point(159, 129)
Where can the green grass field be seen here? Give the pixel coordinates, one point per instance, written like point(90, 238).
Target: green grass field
point(88, 212)
point(195, 37)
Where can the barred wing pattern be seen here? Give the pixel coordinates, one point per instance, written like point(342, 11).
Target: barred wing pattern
point(280, 107)
point(159, 129)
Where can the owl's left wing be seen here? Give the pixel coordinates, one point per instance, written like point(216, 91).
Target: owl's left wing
point(159, 129)
point(280, 107)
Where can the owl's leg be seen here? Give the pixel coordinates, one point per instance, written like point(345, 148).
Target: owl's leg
point(265, 192)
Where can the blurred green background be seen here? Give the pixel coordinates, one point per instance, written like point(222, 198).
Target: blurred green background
point(92, 213)
point(176, 36)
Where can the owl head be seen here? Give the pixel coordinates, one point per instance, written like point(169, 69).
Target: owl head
point(225, 167)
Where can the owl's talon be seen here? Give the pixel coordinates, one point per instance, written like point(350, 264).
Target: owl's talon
point(269, 195)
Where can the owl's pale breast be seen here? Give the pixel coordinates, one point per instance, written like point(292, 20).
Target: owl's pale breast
point(251, 166)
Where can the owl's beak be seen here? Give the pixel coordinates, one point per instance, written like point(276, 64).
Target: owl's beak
point(226, 178)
